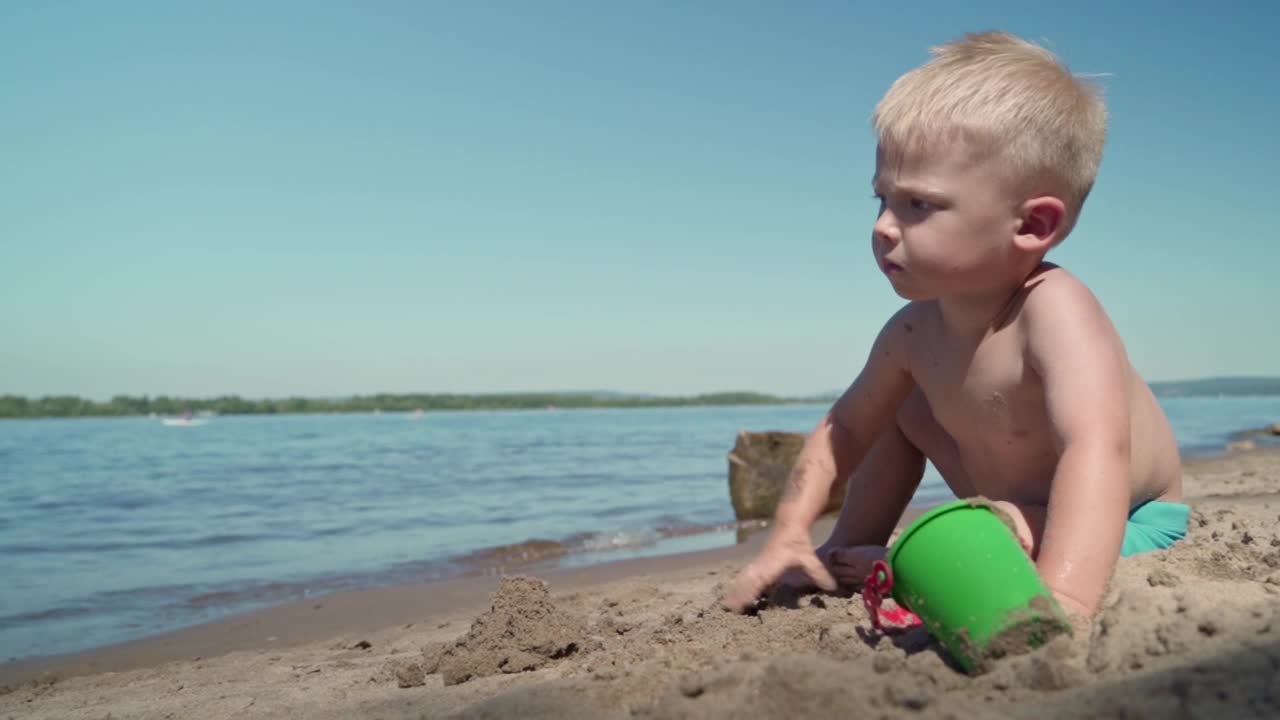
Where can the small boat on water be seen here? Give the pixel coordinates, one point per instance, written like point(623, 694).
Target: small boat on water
point(186, 420)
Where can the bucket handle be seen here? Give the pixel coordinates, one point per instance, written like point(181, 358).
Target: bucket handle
point(877, 587)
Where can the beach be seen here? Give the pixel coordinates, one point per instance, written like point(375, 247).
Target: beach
point(1189, 632)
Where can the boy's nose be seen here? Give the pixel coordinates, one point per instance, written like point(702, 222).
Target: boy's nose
point(885, 231)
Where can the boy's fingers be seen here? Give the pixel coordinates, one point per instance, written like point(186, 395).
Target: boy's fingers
point(759, 576)
point(838, 556)
point(828, 555)
point(794, 579)
point(849, 562)
point(847, 573)
point(750, 583)
point(739, 595)
point(819, 574)
point(853, 565)
point(861, 556)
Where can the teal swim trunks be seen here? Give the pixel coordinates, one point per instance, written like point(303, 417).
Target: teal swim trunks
point(1154, 525)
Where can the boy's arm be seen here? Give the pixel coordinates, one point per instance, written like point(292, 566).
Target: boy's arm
point(1080, 359)
point(832, 450)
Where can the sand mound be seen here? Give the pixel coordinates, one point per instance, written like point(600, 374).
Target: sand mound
point(522, 631)
point(1193, 631)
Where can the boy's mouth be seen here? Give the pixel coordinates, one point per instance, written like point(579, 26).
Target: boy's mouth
point(892, 267)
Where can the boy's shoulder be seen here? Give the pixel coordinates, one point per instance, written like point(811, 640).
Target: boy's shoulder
point(1052, 292)
point(1055, 306)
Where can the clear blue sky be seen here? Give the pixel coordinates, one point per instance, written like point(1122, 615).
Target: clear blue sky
point(317, 198)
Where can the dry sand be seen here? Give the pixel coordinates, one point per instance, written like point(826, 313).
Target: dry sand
point(1190, 632)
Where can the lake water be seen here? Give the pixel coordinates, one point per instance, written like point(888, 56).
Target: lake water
point(113, 529)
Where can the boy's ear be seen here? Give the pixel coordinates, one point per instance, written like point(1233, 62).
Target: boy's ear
point(1043, 220)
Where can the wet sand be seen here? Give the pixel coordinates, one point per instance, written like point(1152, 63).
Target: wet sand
point(1190, 632)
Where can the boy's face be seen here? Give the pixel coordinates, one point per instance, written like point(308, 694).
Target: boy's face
point(946, 224)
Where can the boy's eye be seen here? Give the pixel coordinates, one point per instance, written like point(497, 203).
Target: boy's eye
point(918, 204)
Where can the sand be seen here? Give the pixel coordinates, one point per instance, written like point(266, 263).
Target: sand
point(1190, 632)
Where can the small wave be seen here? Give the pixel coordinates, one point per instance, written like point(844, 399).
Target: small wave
point(1261, 437)
point(619, 510)
point(213, 599)
point(128, 503)
point(96, 547)
point(528, 551)
point(228, 539)
point(50, 505)
point(668, 526)
point(256, 594)
point(598, 542)
point(56, 613)
point(541, 550)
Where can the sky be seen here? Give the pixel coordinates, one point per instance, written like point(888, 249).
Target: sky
point(326, 198)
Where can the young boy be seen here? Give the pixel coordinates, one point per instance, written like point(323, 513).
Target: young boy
point(1003, 370)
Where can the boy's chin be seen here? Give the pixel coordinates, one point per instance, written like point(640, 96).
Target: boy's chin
point(907, 292)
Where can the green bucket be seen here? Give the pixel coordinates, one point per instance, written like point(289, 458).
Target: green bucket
point(962, 570)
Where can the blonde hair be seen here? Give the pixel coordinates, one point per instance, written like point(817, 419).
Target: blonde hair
point(1010, 99)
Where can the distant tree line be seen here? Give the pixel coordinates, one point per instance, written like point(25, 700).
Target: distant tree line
point(13, 406)
point(1232, 386)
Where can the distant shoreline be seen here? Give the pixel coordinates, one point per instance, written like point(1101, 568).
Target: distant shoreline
point(15, 407)
point(54, 406)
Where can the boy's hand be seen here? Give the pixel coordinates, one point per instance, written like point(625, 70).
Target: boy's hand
point(851, 565)
point(784, 551)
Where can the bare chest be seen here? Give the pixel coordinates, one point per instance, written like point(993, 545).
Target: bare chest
point(990, 402)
